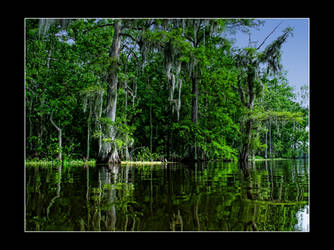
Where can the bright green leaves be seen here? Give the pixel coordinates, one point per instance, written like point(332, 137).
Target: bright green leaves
point(71, 81)
point(278, 116)
point(279, 120)
point(211, 145)
point(251, 53)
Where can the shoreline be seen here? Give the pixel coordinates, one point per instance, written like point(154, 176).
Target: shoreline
point(93, 162)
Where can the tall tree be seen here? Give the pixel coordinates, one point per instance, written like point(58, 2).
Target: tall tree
point(109, 151)
point(153, 89)
point(249, 62)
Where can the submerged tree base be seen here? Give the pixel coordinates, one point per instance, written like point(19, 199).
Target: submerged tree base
point(106, 161)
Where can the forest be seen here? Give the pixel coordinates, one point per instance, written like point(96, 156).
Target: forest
point(151, 89)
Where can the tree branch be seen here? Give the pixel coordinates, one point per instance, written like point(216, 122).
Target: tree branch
point(128, 35)
point(53, 122)
point(189, 38)
point(131, 92)
point(269, 35)
point(98, 26)
point(129, 50)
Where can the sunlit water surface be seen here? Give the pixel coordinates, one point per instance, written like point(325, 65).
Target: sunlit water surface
point(272, 196)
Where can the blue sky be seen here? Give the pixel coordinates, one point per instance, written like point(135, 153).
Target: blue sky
point(295, 51)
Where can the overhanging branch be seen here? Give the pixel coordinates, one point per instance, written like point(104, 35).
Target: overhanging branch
point(269, 35)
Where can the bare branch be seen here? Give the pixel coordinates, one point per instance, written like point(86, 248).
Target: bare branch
point(128, 35)
point(131, 92)
point(269, 35)
point(53, 122)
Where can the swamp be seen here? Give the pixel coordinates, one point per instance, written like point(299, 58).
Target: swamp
point(163, 124)
point(209, 196)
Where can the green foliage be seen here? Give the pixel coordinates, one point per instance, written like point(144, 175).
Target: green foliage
point(286, 119)
point(70, 81)
point(56, 163)
point(144, 154)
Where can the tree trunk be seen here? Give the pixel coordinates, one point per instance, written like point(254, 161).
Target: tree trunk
point(57, 194)
point(266, 141)
point(248, 125)
point(167, 145)
point(270, 139)
point(88, 139)
point(88, 131)
point(244, 153)
point(151, 128)
point(127, 155)
point(294, 141)
point(249, 103)
point(109, 151)
point(194, 113)
point(59, 138)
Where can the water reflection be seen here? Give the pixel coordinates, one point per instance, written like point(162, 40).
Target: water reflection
point(267, 196)
point(303, 223)
point(58, 191)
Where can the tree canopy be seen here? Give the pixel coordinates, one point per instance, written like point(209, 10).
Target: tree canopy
point(155, 89)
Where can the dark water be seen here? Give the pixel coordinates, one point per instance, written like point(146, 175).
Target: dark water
point(273, 196)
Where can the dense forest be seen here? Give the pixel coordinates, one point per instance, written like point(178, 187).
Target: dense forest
point(156, 90)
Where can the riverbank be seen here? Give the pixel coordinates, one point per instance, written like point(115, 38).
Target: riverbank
point(273, 159)
point(65, 163)
point(92, 163)
point(268, 159)
point(144, 162)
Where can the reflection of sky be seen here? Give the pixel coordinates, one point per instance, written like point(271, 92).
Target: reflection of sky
point(303, 223)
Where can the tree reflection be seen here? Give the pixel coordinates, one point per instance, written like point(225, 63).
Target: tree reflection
point(246, 171)
point(108, 177)
point(275, 212)
point(176, 223)
point(58, 177)
point(210, 196)
point(112, 198)
point(250, 224)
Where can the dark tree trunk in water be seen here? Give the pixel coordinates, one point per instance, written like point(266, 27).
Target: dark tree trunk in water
point(247, 180)
point(248, 83)
point(108, 152)
point(244, 152)
point(249, 103)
